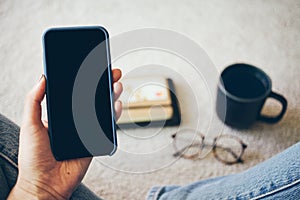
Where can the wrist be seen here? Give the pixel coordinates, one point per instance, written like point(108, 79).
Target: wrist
point(30, 190)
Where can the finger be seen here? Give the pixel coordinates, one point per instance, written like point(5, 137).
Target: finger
point(118, 109)
point(117, 74)
point(32, 109)
point(45, 123)
point(118, 88)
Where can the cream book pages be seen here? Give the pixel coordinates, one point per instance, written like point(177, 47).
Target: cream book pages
point(146, 114)
point(145, 92)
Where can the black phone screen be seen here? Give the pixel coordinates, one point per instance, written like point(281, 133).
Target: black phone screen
point(79, 92)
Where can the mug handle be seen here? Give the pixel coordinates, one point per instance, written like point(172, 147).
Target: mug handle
point(275, 119)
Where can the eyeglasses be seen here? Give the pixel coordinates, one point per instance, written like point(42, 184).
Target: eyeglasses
point(227, 149)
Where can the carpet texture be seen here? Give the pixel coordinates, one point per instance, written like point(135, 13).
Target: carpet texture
point(262, 33)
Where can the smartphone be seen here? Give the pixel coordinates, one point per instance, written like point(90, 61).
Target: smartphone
point(79, 92)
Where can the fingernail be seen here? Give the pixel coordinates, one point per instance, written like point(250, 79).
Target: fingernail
point(41, 77)
point(118, 104)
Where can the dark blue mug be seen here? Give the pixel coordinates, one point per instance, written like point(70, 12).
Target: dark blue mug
point(242, 92)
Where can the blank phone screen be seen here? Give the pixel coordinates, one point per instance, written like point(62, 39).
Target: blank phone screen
point(79, 92)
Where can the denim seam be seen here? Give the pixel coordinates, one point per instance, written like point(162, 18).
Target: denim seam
point(8, 159)
point(156, 193)
point(277, 190)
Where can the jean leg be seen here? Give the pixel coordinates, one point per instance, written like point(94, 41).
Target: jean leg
point(9, 140)
point(9, 143)
point(276, 178)
point(8, 177)
point(4, 189)
point(82, 192)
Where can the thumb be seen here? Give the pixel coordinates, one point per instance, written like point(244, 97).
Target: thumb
point(32, 109)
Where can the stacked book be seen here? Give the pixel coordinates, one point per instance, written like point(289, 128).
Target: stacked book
point(148, 101)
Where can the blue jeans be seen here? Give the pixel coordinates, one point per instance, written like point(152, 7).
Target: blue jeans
point(276, 178)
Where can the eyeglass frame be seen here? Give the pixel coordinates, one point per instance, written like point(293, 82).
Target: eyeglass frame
point(214, 146)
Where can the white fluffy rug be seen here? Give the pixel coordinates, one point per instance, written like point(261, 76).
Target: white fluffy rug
point(263, 33)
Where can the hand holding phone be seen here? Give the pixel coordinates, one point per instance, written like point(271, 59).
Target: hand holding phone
point(40, 175)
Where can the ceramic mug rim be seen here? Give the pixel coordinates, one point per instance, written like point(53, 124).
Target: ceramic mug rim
point(242, 99)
